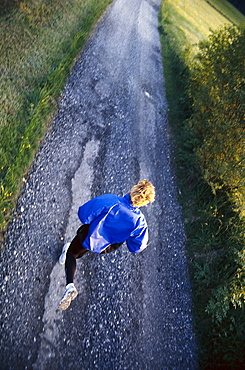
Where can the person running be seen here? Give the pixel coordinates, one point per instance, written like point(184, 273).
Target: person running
point(108, 221)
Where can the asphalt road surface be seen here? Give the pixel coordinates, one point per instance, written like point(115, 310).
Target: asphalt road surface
point(111, 130)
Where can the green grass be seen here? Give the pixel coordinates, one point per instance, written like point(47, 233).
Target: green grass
point(228, 11)
point(215, 232)
point(190, 21)
point(39, 43)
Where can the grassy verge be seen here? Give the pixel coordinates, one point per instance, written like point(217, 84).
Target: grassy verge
point(215, 231)
point(40, 41)
point(188, 22)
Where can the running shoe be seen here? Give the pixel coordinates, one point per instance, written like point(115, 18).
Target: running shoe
point(69, 295)
point(62, 258)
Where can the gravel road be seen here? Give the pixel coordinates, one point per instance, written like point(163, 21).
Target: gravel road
point(133, 312)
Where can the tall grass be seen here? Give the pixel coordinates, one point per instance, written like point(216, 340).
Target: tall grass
point(39, 43)
point(215, 230)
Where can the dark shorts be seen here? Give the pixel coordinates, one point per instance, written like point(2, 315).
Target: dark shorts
point(77, 249)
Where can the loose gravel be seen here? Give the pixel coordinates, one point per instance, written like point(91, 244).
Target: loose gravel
point(111, 129)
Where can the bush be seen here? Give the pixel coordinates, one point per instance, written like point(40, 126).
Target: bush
point(218, 95)
point(215, 230)
point(218, 144)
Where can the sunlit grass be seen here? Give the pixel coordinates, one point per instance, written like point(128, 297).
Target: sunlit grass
point(39, 43)
point(190, 21)
point(228, 11)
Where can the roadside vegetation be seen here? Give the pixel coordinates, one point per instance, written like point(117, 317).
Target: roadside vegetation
point(204, 65)
point(40, 40)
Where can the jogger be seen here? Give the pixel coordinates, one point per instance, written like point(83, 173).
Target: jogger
point(108, 221)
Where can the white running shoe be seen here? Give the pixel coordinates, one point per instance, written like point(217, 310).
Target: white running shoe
point(69, 295)
point(62, 258)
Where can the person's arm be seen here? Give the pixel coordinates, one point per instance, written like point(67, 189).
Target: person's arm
point(95, 207)
point(90, 210)
point(138, 239)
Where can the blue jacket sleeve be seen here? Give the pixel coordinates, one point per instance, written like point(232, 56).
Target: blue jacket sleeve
point(138, 239)
point(95, 207)
point(90, 210)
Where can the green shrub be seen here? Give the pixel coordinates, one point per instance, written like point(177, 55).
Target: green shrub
point(215, 229)
point(218, 95)
point(217, 124)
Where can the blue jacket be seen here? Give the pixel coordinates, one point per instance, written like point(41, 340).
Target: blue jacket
point(113, 219)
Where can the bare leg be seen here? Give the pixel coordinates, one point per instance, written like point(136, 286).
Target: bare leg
point(75, 251)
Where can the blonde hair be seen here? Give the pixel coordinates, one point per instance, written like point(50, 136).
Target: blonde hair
point(142, 193)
